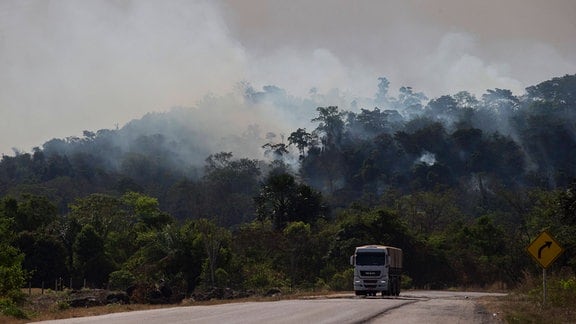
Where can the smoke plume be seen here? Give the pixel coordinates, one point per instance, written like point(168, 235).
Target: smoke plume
point(69, 66)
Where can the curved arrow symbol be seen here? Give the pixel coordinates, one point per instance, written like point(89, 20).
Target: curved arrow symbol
point(548, 244)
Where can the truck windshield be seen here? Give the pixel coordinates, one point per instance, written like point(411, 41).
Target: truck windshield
point(370, 258)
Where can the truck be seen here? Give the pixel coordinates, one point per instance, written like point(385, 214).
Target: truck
point(377, 268)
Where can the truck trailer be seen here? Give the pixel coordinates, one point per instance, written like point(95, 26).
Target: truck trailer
point(377, 268)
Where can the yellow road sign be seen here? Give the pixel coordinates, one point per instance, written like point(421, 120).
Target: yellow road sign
point(544, 249)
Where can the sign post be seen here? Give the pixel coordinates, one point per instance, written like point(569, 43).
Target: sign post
point(544, 250)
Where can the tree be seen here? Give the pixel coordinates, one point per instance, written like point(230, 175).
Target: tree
point(12, 276)
point(468, 150)
point(302, 140)
point(214, 239)
point(282, 200)
point(559, 92)
point(274, 199)
point(104, 213)
point(428, 212)
point(298, 237)
point(258, 248)
point(444, 109)
point(327, 162)
point(331, 126)
point(410, 102)
point(90, 260)
point(499, 107)
point(229, 187)
point(45, 257)
point(478, 252)
point(147, 210)
point(278, 150)
point(371, 123)
point(34, 212)
point(554, 211)
point(173, 254)
point(466, 100)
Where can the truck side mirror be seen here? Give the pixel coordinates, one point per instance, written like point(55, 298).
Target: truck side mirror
point(352, 260)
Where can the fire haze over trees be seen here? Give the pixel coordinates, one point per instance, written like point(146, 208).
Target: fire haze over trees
point(461, 183)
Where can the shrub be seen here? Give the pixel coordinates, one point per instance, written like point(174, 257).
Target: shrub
point(9, 308)
point(12, 276)
point(262, 276)
point(121, 280)
point(406, 282)
point(343, 280)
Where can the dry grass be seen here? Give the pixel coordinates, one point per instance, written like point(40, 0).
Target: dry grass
point(521, 308)
point(525, 304)
point(54, 313)
point(51, 305)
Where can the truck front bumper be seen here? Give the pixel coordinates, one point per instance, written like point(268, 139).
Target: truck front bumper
point(370, 285)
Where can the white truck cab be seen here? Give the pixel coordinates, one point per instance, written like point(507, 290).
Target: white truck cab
point(377, 268)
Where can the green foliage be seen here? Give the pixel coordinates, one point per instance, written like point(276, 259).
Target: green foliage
point(173, 252)
point(222, 278)
point(298, 237)
point(104, 213)
point(12, 276)
point(263, 276)
point(90, 260)
point(33, 213)
point(406, 282)
point(215, 240)
point(283, 200)
point(146, 210)
point(342, 281)
point(9, 308)
point(45, 256)
point(63, 305)
point(302, 140)
point(225, 191)
point(121, 280)
point(564, 292)
point(525, 303)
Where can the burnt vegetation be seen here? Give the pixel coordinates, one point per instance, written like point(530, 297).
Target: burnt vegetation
point(461, 183)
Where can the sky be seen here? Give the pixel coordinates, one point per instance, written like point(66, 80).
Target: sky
point(67, 66)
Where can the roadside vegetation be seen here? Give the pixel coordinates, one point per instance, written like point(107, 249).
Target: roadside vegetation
point(524, 304)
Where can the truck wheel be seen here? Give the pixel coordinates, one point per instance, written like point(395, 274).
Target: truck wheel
point(360, 293)
point(393, 287)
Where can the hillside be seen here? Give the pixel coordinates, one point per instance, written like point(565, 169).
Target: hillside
point(461, 184)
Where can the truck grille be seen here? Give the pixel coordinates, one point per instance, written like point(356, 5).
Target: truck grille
point(370, 273)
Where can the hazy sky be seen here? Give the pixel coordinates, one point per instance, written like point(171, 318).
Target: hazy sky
point(68, 66)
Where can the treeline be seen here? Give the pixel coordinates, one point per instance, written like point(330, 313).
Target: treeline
point(461, 184)
point(127, 241)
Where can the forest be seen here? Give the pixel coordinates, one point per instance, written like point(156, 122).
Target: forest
point(462, 184)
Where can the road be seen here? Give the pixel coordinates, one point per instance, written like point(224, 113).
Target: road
point(409, 307)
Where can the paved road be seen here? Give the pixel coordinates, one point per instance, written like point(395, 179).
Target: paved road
point(409, 307)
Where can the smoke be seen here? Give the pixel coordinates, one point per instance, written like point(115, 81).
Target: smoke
point(427, 158)
point(457, 68)
point(69, 66)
